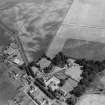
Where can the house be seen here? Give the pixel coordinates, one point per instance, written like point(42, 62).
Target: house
point(13, 54)
point(43, 89)
point(18, 61)
point(11, 49)
point(53, 83)
point(34, 69)
point(37, 95)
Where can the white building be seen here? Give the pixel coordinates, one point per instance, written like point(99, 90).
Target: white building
point(34, 69)
point(53, 83)
point(18, 61)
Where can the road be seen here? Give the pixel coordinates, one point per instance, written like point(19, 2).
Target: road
point(21, 49)
point(18, 41)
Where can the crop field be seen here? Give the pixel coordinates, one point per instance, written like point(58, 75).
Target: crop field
point(82, 33)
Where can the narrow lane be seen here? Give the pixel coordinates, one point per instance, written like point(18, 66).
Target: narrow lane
point(14, 33)
point(21, 49)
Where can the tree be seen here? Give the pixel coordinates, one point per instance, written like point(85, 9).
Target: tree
point(103, 63)
point(62, 82)
point(48, 69)
point(78, 91)
point(60, 60)
point(71, 100)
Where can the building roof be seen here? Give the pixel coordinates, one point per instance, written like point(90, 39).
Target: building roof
point(53, 83)
point(44, 90)
point(34, 69)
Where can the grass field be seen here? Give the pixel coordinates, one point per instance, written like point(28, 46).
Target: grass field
point(7, 86)
point(82, 33)
point(83, 49)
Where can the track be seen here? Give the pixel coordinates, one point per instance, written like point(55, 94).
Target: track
point(14, 33)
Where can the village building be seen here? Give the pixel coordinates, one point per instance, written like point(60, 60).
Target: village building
point(53, 83)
